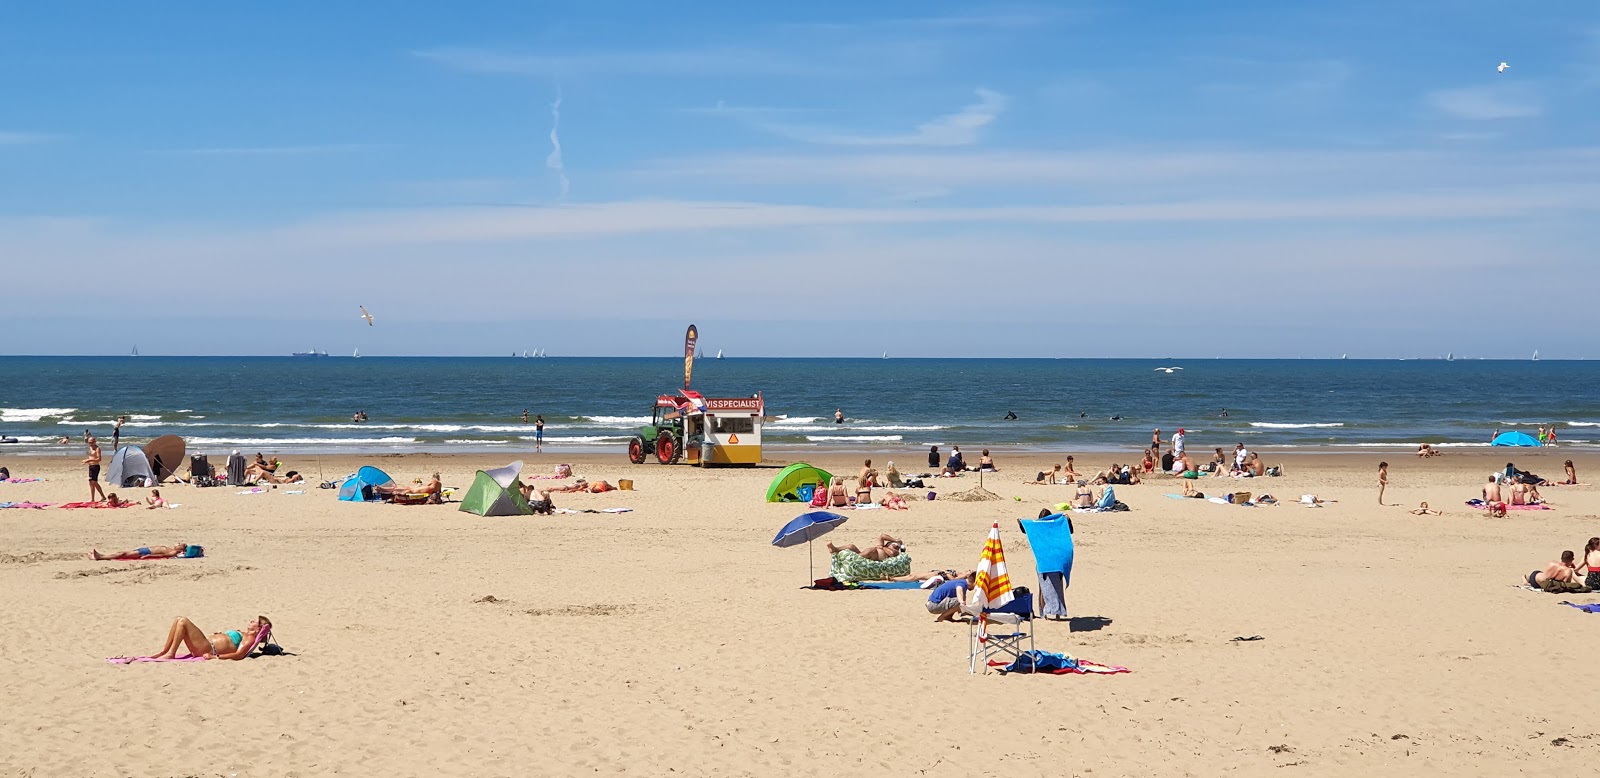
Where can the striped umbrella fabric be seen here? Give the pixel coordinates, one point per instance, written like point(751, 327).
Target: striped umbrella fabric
point(993, 587)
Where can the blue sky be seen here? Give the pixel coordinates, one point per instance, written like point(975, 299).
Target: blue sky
point(1099, 179)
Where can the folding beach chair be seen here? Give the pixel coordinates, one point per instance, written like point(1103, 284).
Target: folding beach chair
point(1016, 614)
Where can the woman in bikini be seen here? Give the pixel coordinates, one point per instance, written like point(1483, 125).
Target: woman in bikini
point(864, 490)
point(1068, 472)
point(1084, 498)
point(232, 644)
point(1572, 475)
point(1149, 463)
point(143, 552)
point(837, 497)
point(986, 463)
point(1591, 560)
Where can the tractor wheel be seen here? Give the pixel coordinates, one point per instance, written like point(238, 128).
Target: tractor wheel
point(667, 450)
point(636, 450)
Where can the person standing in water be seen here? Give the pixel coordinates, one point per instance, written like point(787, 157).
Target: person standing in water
point(1383, 480)
point(116, 433)
point(524, 415)
point(538, 432)
point(93, 461)
point(838, 416)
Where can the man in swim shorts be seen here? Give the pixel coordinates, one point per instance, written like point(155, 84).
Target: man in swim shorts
point(945, 600)
point(93, 461)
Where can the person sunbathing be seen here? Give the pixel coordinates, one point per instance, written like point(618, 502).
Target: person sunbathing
point(1572, 475)
point(1559, 576)
point(112, 501)
point(1424, 510)
point(892, 478)
point(142, 552)
point(581, 485)
point(1068, 473)
point(1148, 464)
point(155, 500)
point(1084, 498)
point(1190, 491)
point(864, 490)
point(540, 503)
point(986, 463)
point(231, 644)
point(888, 547)
point(893, 501)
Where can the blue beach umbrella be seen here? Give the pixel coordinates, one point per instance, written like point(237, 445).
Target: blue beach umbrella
point(1514, 438)
point(805, 528)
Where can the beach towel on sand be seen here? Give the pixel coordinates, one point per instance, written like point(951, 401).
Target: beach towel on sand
point(1055, 664)
point(1588, 607)
point(21, 480)
point(849, 566)
point(25, 504)
point(94, 505)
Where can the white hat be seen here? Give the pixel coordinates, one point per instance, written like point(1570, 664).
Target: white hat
point(236, 452)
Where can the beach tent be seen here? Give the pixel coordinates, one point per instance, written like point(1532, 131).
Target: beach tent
point(495, 493)
point(128, 462)
point(1514, 438)
point(359, 487)
point(785, 487)
point(165, 454)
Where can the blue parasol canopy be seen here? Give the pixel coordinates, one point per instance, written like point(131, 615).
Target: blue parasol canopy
point(807, 527)
point(1514, 438)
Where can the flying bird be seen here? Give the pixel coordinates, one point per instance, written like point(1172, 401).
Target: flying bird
point(1502, 68)
point(1167, 370)
point(366, 315)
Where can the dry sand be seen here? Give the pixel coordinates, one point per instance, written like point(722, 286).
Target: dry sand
point(675, 640)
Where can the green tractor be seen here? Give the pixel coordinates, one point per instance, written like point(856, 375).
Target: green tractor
point(663, 436)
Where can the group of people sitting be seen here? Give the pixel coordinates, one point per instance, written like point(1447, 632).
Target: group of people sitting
point(1568, 574)
point(539, 499)
point(415, 493)
point(1060, 475)
point(957, 463)
point(838, 495)
point(1513, 486)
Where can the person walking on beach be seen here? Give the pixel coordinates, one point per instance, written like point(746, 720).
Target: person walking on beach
point(1383, 480)
point(1177, 442)
point(538, 431)
point(1541, 435)
point(1550, 436)
point(93, 461)
point(838, 416)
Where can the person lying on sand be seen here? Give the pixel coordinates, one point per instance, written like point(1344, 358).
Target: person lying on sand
point(893, 501)
point(581, 485)
point(1424, 510)
point(944, 602)
point(232, 644)
point(155, 500)
point(1558, 577)
point(888, 547)
point(538, 499)
point(113, 501)
point(143, 552)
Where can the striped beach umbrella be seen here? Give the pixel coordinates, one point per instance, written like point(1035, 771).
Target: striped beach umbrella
point(993, 587)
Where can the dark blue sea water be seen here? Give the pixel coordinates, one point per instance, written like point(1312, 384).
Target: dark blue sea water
point(474, 404)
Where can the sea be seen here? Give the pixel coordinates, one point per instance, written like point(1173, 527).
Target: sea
point(443, 404)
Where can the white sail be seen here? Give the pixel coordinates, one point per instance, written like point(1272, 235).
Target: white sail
point(1536, 355)
point(719, 353)
point(135, 350)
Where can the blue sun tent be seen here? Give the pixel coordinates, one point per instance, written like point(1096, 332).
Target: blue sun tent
point(1514, 438)
point(362, 486)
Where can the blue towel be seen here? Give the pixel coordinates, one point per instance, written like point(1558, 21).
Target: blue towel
point(1588, 607)
point(1107, 499)
point(1050, 538)
point(893, 585)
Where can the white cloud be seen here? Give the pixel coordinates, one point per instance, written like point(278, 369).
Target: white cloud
point(1485, 102)
point(961, 128)
point(24, 138)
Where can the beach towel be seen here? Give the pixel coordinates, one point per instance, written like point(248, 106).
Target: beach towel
point(1588, 607)
point(1481, 505)
point(848, 566)
point(26, 504)
point(257, 490)
point(261, 637)
point(892, 585)
point(1108, 498)
point(21, 480)
point(71, 505)
point(1055, 664)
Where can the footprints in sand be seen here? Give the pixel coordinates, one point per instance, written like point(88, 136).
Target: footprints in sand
point(131, 575)
point(37, 557)
point(584, 610)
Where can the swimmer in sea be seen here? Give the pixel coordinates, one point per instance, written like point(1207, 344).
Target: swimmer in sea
point(1011, 416)
point(1224, 414)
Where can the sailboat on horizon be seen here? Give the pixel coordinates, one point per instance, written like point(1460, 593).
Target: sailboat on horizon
point(357, 354)
point(135, 350)
point(1536, 355)
point(885, 355)
point(719, 353)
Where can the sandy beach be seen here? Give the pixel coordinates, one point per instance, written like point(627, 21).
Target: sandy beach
point(675, 639)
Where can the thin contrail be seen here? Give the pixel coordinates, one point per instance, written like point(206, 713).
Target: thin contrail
point(554, 160)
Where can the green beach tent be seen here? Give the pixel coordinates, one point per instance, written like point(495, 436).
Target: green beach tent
point(785, 487)
point(494, 493)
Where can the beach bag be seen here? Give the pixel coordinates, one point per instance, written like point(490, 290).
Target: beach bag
point(194, 552)
point(1119, 506)
point(625, 484)
point(830, 584)
point(806, 492)
point(1239, 498)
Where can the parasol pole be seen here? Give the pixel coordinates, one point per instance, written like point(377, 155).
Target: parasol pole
point(811, 565)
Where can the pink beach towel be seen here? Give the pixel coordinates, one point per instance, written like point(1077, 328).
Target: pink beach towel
point(70, 505)
point(26, 504)
point(21, 480)
point(261, 637)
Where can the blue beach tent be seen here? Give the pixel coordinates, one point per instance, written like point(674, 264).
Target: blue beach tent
point(1514, 438)
point(360, 487)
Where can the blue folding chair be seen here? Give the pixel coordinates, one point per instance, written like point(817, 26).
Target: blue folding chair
point(1018, 614)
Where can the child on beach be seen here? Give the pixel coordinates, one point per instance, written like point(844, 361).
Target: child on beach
point(1383, 479)
point(155, 500)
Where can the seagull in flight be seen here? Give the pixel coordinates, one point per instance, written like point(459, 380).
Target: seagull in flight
point(1502, 68)
point(366, 315)
point(1167, 370)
